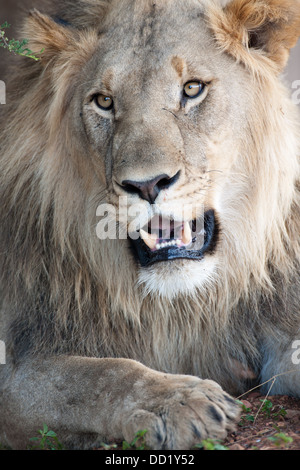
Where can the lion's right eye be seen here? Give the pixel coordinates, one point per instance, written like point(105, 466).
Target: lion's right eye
point(193, 89)
point(104, 102)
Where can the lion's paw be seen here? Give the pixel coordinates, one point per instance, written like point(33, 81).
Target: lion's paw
point(181, 413)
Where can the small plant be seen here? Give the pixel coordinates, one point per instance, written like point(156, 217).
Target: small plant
point(47, 440)
point(17, 47)
point(247, 416)
point(267, 407)
point(211, 444)
point(108, 446)
point(279, 413)
point(138, 443)
point(281, 439)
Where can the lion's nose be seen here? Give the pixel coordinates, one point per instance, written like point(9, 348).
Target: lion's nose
point(150, 189)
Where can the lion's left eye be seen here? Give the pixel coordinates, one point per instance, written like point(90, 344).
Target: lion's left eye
point(104, 102)
point(193, 89)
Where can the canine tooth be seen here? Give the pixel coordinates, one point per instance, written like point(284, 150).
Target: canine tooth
point(147, 235)
point(178, 242)
point(149, 240)
point(158, 246)
point(186, 234)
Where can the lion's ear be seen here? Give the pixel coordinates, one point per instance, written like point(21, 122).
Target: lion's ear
point(44, 33)
point(266, 27)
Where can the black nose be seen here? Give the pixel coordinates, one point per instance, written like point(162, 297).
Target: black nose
point(150, 189)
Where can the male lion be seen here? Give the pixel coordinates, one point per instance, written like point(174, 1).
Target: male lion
point(174, 106)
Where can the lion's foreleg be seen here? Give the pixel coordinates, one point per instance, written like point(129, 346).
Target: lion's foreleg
point(74, 396)
point(86, 400)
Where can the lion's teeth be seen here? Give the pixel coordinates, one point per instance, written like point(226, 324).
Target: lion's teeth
point(148, 239)
point(153, 242)
point(159, 246)
point(186, 233)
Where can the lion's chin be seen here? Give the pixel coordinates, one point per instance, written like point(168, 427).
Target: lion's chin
point(178, 278)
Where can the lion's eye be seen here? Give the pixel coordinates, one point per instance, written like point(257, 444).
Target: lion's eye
point(193, 89)
point(104, 102)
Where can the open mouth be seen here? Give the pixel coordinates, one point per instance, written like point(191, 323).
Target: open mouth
point(163, 239)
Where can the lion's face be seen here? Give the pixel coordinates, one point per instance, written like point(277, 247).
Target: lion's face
point(171, 112)
point(164, 112)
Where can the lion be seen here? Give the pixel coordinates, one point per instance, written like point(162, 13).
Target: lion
point(174, 113)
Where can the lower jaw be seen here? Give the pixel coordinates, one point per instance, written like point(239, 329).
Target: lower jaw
point(171, 280)
point(147, 257)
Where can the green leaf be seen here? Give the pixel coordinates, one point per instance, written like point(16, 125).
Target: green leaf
point(280, 439)
point(211, 444)
point(249, 418)
point(15, 46)
point(45, 428)
point(125, 445)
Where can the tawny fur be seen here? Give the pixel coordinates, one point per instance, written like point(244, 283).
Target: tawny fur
point(65, 292)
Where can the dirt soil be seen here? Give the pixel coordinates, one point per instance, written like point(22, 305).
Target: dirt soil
point(267, 424)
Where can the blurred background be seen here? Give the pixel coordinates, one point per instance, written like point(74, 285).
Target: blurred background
point(11, 11)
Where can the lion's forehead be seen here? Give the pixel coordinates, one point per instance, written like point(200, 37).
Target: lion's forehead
point(154, 36)
point(148, 18)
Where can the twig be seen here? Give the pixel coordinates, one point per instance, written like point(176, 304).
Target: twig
point(269, 380)
point(14, 46)
point(265, 399)
point(259, 434)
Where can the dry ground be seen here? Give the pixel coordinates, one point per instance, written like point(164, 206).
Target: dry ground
point(267, 425)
